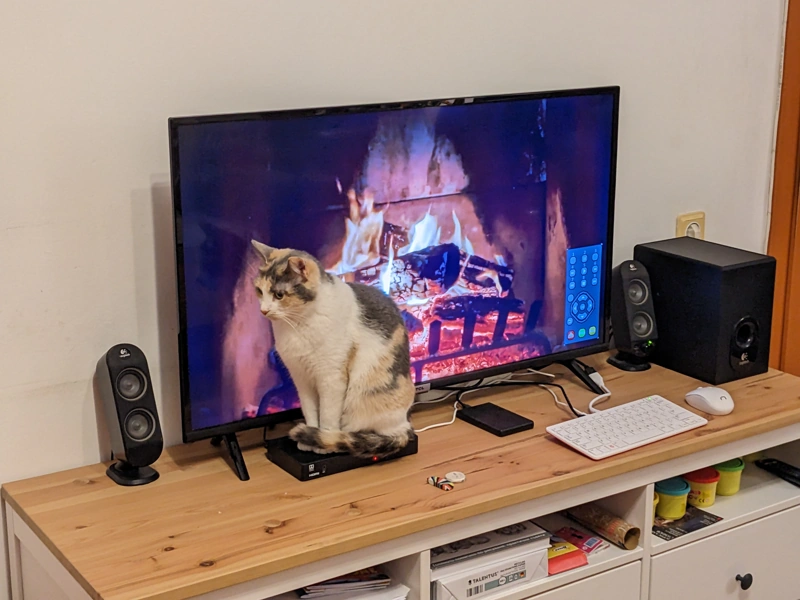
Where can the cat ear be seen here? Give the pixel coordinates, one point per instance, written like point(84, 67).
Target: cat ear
point(299, 267)
point(263, 250)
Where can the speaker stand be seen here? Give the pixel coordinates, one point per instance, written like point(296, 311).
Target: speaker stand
point(626, 361)
point(582, 372)
point(235, 452)
point(123, 473)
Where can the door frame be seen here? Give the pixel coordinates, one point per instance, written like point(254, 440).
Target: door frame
point(784, 233)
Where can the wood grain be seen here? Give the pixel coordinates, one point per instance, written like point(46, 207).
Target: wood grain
point(199, 529)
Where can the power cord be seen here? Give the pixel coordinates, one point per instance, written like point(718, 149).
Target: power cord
point(507, 381)
point(598, 379)
point(456, 405)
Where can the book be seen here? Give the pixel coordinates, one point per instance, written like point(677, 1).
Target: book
point(486, 543)
point(584, 541)
point(564, 556)
point(694, 519)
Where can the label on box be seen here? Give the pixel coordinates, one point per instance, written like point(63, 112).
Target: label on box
point(480, 578)
point(496, 579)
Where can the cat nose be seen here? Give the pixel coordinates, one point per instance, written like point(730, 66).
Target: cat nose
point(264, 312)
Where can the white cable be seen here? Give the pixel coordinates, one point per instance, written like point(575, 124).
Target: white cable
point(542, 373)
point(450, 422)
point(598, 379)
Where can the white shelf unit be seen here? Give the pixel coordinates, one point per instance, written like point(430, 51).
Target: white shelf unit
point(630, 505)
point(761, 494)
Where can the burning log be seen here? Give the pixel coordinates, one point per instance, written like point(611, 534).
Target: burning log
point(459, 307)
point(484, 275)
point(434, 270)
point(425, 273)
point(394, 236)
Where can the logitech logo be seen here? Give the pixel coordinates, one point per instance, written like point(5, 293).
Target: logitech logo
point(124, 353)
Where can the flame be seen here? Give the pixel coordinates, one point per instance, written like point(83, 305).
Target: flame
point(424, 234)
point(363, 228)
point(459, 240)
point(386, 272)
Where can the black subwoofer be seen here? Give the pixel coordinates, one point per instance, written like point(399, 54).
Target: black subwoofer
point(714, 307)
point(130, 407)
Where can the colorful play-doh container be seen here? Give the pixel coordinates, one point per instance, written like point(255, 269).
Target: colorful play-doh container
point(730, 476)
point(655, 503)
point(704, 487)
point(672, 497)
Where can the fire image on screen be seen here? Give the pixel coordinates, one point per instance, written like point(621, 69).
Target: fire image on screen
point(486, 223)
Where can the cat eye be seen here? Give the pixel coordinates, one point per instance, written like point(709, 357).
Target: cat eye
point(278, 295)
point(259, 293)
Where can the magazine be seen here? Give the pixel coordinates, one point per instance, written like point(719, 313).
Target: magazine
point(694, 519)
point(357, 581)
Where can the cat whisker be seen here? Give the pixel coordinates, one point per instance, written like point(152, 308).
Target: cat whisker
point(289, 323)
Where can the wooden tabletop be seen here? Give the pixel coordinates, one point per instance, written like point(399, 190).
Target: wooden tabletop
point(199, 529)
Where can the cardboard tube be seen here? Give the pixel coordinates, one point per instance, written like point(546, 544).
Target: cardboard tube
point(611, 527)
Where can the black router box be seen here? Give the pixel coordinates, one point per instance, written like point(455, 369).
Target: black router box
point(310, 465)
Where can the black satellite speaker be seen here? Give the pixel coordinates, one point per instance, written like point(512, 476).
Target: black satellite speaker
point(714, 307)
point(632, 316)
point(130, 407)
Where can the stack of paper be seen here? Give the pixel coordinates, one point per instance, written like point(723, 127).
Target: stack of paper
point(369, 584)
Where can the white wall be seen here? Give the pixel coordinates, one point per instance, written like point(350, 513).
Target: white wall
point(86, 88)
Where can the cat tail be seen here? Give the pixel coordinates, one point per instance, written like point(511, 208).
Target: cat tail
point(364, 444)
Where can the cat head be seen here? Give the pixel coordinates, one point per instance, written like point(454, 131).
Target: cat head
point(287, 282)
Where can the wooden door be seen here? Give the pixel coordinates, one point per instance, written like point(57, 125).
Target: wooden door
point(784, 237)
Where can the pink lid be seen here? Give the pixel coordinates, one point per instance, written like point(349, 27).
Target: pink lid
point(707, 475)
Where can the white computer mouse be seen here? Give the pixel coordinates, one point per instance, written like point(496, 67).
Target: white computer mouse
point(711, 400)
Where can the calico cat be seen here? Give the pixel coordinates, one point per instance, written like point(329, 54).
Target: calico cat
point(346, 348)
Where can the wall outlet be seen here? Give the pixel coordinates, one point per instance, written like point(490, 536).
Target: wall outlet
point(691, 225)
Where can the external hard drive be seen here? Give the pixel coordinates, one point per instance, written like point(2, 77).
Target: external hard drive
point(494, 419)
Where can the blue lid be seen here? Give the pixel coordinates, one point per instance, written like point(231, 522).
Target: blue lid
point(674, 486)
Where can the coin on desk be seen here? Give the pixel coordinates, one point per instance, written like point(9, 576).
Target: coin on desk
point(456, 477)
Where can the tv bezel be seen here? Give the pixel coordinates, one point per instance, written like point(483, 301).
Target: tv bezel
point(174, 123)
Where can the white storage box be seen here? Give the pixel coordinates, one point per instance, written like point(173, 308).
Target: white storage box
point(484, 575)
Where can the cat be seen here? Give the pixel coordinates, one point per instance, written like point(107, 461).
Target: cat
point(346, 347)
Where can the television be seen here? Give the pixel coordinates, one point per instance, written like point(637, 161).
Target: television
point(487, 219)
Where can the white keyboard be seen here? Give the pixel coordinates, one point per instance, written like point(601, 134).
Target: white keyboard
point(614, 430)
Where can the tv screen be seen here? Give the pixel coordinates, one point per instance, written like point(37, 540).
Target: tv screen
point(487, 220)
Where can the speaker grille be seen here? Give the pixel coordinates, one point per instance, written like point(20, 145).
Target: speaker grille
point(139, 425)
point(637, 292)
point(642, 324)
point(131, 384)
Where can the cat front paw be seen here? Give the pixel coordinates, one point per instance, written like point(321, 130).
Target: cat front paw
point(306, 448)
point(322, 450)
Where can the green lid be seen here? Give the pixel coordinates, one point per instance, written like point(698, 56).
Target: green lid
point(675, 486)
point(737, 464)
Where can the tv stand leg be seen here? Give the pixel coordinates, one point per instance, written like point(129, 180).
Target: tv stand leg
point(235, 452)
point(582, 372)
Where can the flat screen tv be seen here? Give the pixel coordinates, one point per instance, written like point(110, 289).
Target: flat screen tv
point(487, 219)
